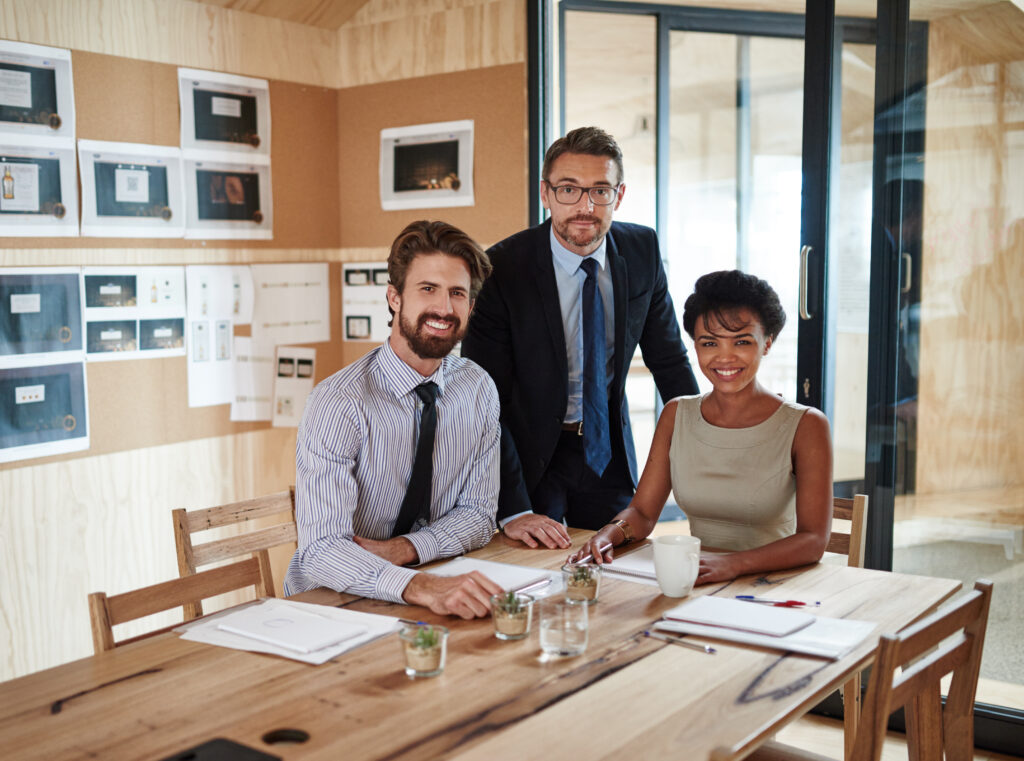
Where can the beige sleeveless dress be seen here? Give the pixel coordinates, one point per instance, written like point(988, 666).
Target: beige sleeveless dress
point(736, 485)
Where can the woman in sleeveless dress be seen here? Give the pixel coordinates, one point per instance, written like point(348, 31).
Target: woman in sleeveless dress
point(752, 472)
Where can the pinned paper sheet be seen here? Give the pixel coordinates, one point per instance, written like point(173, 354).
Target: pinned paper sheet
point(218, 297)
point(292, 303)
point(293, 383)
point(364, 303)
point(254, 380)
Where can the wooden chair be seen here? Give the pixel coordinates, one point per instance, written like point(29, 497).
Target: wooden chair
point(852, 545)
point(255, 543)
point(106, 612)
point(925, 657)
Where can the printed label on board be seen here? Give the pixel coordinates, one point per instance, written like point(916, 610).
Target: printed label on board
point(110, 290)
point(25, 303)
point(131, 185)
point(162, 333)
point(226, 106)
point(110, 335)
point(29, 394)
point(15, 88)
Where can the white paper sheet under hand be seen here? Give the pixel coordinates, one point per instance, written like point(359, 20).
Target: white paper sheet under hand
point(505, 575)
point(208, 630)
point(636, 566)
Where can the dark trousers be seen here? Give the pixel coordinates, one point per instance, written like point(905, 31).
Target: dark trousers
point(571, 491)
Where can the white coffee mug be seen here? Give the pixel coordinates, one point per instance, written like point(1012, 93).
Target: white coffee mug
point(676, 563)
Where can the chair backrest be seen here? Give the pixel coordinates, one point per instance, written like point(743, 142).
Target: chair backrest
point(106, 612)
point(852, 544)
point(948, 641)
point(254, 543)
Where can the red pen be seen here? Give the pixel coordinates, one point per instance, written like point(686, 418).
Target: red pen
point(775, 603)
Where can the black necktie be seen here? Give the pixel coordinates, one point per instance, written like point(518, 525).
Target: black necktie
point(417, 497)
point(597, 444)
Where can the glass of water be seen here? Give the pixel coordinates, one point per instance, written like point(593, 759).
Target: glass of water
point(563, 626)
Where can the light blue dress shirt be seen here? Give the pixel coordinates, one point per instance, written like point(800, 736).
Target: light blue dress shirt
point(354, 457)
point(569, 277)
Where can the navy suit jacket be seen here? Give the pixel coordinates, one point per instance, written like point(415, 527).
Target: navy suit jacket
point(516, 334)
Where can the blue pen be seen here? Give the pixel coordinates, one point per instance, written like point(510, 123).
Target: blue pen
point(776, 603)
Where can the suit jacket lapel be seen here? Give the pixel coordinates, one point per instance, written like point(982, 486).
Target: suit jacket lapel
point(620, 291)
point(547, 293)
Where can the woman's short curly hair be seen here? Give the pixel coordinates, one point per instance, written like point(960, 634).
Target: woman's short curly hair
point(720, 293)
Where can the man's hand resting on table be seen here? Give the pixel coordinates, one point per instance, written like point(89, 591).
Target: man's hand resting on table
point(466, 596)
point(533, 530)
point(398, 550)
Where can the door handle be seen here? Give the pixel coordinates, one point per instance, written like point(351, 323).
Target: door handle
point(908, 269)
point(805, 253)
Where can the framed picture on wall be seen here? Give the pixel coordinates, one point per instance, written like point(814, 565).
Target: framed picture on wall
point(224, 112)
point(131, 190)
point(226, 200)
point(36, 93)
point(39, 195)
point(427, 166)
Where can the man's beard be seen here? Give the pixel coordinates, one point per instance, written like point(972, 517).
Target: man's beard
point(581, 240)
point(427, 346)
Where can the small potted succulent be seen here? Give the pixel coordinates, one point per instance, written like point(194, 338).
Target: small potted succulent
point(424, 646)
point(582, 582)
point(512, 613)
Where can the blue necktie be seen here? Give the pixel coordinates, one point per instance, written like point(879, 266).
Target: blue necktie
point(597, 445)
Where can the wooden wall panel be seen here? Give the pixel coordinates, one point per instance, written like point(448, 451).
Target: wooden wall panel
point(178, 32)
point(405, 40)
point(494, 98)
point(972, 319)
point(104, 524)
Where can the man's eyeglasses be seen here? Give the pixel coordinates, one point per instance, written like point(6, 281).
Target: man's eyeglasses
point(601, 195)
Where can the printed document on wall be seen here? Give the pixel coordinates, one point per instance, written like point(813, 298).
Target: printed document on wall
point(293, 384)
point(364, 302)
point(217, 299)
point(292, 303)
point(254, 380)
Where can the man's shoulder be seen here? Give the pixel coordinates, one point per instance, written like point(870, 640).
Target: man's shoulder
point(468, 375)
point(350, 383)
point(631, 235)
point(505, 251)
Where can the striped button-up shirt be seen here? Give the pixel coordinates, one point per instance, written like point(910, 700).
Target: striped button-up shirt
point(354, 457)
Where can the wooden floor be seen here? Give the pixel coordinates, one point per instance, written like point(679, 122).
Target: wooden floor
point(825, 736)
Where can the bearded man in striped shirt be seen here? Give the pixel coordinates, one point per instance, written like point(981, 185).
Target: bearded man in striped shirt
point(368, 503)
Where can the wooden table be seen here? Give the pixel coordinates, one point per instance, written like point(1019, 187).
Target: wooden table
point(626, 697)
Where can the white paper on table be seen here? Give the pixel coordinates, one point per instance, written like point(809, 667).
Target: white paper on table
point(215, 297)
point(364, 302)
point(205, 630)
point(254, 380)
point(293, 382)
point(291, 628)
point(291, 303)
point(826, 637)
point(506, 575)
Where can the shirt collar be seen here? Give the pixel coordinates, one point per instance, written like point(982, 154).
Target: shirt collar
point(401, 379)
point(570, 261)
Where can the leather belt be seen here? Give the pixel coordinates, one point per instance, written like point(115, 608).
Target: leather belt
point(576, 427)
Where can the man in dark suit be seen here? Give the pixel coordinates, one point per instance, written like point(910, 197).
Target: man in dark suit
point(557, 333)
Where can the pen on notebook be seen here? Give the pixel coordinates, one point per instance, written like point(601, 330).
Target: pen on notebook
point(410, 622)
point(533, 586)
point(776, 603)
point(682, 643)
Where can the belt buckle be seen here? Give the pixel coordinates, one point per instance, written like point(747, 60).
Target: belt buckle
point(579, 428)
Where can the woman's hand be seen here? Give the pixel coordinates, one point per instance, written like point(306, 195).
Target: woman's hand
point(600, 546)
point(717, 566)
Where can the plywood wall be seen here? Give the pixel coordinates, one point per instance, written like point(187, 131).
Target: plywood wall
point(72, 526)
point(972, 319)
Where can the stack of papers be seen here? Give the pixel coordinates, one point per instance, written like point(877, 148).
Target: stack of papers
point(297, 630)
point(777, 628)
point(637, 566)
point(506, 575)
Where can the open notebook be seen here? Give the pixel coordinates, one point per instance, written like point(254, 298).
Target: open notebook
point(777, 628)
point(505, 575)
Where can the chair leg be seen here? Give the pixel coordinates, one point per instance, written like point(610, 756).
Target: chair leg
point(924, 725)
point(851, 714)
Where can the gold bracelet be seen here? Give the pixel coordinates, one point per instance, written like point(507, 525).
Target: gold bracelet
point(627, 530)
